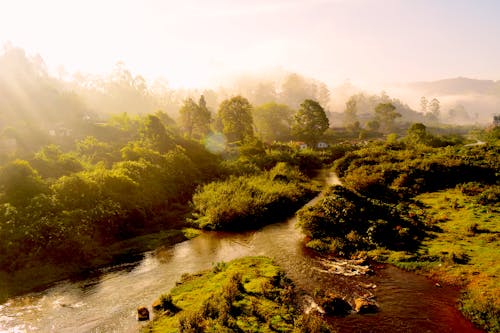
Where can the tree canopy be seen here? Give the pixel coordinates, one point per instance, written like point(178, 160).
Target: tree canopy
point(273, 121)
point(235, 118)
point(310, 122)
point(386, 114)
point(195, 118)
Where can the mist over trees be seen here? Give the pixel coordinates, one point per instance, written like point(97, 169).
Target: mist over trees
point(38, 108)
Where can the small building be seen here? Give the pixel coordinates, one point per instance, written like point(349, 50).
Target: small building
point(302, 145)
point(322, 145)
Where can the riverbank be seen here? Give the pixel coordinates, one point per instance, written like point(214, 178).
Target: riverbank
point(463, 250)
point(42, 276)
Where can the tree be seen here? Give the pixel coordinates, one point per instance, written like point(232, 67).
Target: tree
point(295, 89)
point(155, 133)
point(373, 125)
point(350, 112)
point(273, 121)
point(424, 103)
point(417, 134)
point(20, 183)
point(434, 107)
point(310, 122)
point(386, 114)
point(203, 118)
point(235, 118)
point(195, 118)
point(187, 115)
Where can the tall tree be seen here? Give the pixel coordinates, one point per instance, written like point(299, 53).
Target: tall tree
point(204, 118)
point(273, 121)
point(154, 132)
point(424, 103)
point(386, 115)
point(310, 122)
point(195, 118)
point(19, 183)
point(235, 118)
point(187, 115)
point(350, 112)
point(434, 107)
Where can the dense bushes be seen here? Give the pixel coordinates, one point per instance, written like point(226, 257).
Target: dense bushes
point(392, 174)
point(64, 207)
point(246, 202)
point(454, 189)
point(343, 222)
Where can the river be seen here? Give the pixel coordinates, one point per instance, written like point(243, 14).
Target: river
point(106, 300)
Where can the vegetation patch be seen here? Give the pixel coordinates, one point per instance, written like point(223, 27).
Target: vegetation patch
point(245, 295)
point(421, 207)
point(464, 249)
point(344, 222)
point(248, 202)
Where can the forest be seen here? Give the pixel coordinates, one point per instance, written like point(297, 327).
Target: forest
point(103, 168)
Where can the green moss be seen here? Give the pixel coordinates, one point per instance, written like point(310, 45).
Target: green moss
point(463, 249)
point(250, 294)
point(191, 233)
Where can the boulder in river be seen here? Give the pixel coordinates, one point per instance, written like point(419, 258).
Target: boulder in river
point(157, 306)
point(365, 305)
point(142, 313)
point(335, 305)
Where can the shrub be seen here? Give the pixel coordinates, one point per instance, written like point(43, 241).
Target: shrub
point(246, 202)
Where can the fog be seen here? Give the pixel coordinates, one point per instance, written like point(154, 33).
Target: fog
point(32, 97)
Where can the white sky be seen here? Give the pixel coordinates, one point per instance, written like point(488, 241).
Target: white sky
point(194, 42)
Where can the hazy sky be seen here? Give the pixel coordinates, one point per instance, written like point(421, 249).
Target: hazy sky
point(193, 42)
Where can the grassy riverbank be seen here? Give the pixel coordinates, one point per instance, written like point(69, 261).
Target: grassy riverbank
point(249, 294)
point(432, 210)
point(463, 249)
point(251, 201)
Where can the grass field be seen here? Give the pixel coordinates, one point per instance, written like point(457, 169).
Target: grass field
point(463, 249)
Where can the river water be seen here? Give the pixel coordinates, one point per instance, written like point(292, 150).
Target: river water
point(106, 300)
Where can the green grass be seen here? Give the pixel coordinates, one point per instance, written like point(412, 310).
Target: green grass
point(463, 250)
point(247, 202)
point(250, 294)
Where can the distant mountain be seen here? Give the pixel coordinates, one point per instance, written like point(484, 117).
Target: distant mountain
point(457, 86)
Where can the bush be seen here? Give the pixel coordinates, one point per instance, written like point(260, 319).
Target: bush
point(344, 222)
point(246, 202)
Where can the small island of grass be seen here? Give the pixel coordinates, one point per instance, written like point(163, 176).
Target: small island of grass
point(250, 294)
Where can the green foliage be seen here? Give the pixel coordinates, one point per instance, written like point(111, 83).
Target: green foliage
point(72, 205)
point(350, 112)
point(343, 222)
point(250, 294)
point(245, 202)
point(50, 162)
point(458, 242)
point(154, 132)
point(397, 173)
point(20, 183)
point(235, 118)
point(93, 151)
point(310, 122)
point(195, 118)
point(386, 114)
point(273, 121)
